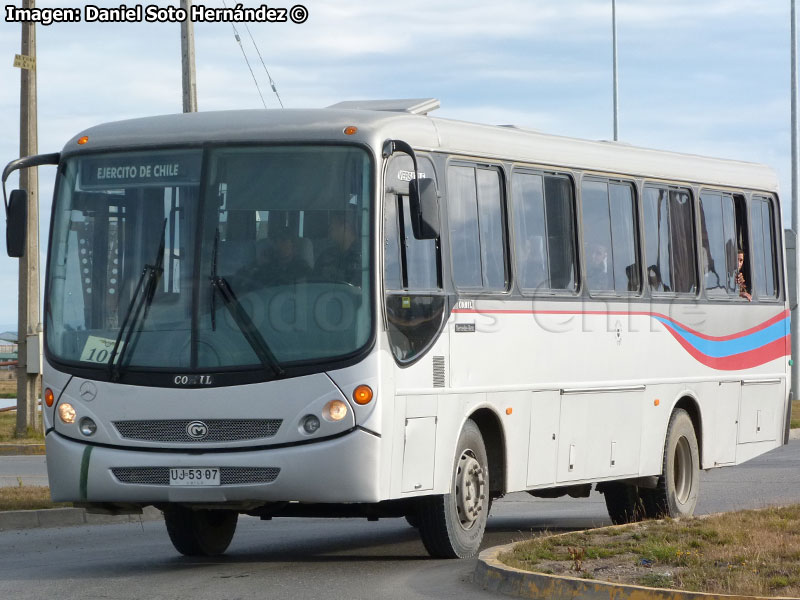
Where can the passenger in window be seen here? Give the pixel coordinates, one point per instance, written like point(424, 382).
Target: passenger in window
point(654, 279)
point(598, 273)
point(743, 292)
point(341, 260)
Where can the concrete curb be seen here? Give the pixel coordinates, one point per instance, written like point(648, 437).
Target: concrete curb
point(495, 576)
point(21, 449)
point(794, 434)
point(12, 520)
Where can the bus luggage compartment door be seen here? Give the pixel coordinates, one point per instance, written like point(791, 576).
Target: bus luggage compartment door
point(760, 410)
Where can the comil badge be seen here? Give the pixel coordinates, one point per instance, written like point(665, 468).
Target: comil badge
point(197, 430)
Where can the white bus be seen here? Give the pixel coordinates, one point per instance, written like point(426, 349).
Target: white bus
point(365, 311)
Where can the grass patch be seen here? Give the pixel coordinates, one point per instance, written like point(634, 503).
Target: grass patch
point(795, 422)
point(8, 387)
point(28, 497)
point(754, 552)
point(8, 430)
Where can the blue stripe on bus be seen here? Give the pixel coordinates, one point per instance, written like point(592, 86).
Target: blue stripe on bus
point(722, 348)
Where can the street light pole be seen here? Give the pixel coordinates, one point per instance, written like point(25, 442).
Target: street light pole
point(795, 331)
point(614, 40)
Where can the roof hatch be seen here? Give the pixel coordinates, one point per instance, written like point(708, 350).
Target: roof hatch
point(414, 106)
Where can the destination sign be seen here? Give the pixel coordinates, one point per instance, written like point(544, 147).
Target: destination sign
point(158, 169)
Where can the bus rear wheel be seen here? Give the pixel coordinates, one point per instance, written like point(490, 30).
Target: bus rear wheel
point(679, 483)
point(452, 525)
point(200, 532)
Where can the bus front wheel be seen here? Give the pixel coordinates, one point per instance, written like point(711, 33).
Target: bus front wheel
point(452, 525)
point(679, 484)
point(200, 532)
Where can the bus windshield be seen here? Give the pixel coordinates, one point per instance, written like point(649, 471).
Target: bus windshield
point(210, 260)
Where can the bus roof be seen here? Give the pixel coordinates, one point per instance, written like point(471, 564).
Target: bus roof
point(424, 133)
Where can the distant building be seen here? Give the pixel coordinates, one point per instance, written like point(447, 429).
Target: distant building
point(8, 353)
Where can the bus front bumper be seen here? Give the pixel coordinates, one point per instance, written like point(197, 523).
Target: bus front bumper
point(343, 469)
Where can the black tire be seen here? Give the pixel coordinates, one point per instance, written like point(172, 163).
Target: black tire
point(452, 525)
point(679, 483)
point(200, 532)
point(623, 502)
point(413, 520)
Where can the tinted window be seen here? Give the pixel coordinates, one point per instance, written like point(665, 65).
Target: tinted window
point(718, 237)
point(490, 212)
point(529, 231)
point(545, 231)
point(597, 236)
point(623, 237)
point(669, 240)
point(764, 262)
point(609, 236)
point(462, 208)
point(477, 231)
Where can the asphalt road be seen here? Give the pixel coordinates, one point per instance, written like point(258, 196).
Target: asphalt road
point(314, 558)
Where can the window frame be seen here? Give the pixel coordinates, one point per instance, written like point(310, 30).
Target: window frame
point(637, 234)
point(670, 186)
point(475, 291)
point(770, 199)
point(512, 216)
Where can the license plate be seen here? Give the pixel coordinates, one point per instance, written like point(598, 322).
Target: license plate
point(195, 476)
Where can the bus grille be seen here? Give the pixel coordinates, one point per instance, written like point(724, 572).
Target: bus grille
point(228, 475)
point(219, 430)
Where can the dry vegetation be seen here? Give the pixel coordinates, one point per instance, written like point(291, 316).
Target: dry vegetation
point(8, 384)
point(8, 428)
point(795, 414)
point(27, 497)
point(747, 553)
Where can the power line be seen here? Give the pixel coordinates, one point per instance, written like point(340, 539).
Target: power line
point(238, 39)
point(271, 82)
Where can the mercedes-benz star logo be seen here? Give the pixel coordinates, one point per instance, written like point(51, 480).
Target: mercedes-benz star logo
point(197, 430)
point(88, 391)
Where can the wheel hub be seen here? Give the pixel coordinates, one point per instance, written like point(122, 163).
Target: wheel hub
point(470, 489)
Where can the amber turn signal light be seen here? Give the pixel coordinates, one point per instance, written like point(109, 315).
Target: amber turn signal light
point(83, 140)
point(362, 394)
point(49, 397)
point(350, 130)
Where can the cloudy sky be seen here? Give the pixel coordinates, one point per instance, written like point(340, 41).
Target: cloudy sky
point(700, 76)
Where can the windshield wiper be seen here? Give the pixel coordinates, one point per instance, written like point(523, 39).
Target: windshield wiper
point(246, 325)
point(240, 316)
point(140, 303)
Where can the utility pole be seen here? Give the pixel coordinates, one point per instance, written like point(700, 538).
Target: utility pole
point(793, 277)
point(614, 42)
point(29, 328)
point(187, 60)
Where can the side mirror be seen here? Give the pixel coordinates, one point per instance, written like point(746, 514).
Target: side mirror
point(17, 223)
point(424, 205)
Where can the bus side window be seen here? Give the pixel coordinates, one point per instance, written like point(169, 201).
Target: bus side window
point(721, 236)
point(477, 228)
point(765, 280)
point(544, 231)
point(669, 240)
point(609, 236)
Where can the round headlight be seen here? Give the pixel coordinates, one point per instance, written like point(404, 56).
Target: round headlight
point(310, 424)
point(67, 412)
point(335, 410)
point(87, 426)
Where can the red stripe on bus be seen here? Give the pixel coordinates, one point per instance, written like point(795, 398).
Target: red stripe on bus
point(732, 336)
